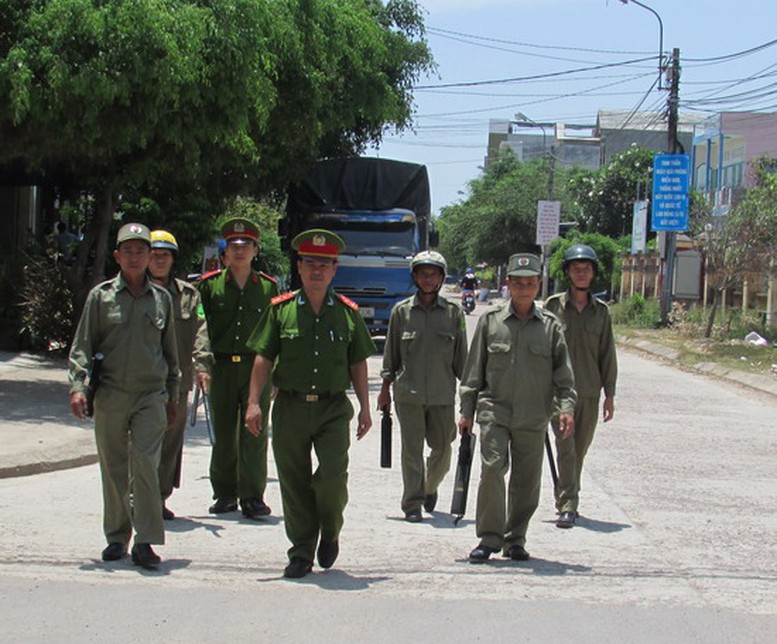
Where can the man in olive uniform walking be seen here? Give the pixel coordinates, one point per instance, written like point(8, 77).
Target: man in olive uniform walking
point(194, 356)
point(233, 301)
point(129, 320)
point(319, 345)
point(517, 373)
point(424, 355)
point(588, 331)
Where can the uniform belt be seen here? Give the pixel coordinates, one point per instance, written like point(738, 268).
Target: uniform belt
point(301, 395)
point(234, 357)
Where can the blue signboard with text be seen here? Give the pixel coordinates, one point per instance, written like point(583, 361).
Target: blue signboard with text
point(671, 174)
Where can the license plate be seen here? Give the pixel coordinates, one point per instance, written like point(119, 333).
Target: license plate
point(367, 311)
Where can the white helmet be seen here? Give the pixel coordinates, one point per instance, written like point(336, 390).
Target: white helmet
point(429, 258)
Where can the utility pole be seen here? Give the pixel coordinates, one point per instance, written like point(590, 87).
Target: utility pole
point(672, 145)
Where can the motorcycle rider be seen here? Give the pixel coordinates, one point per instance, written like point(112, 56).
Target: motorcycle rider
point(469, 282)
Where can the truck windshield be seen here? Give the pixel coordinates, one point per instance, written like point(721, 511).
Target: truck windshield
point(378, 242)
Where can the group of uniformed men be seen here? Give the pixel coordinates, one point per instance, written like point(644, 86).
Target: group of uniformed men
point(236, 337)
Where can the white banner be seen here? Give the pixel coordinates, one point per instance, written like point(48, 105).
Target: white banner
point(639, 227)
point(548, 219)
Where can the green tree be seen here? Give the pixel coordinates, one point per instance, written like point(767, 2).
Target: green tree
point(187, 103)
point(605, 197)
point(607, 250)
point(499, 216)
point(741, 242)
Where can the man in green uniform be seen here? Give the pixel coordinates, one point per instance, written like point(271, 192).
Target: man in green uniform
point(425, 351)
point(233, 301)
point(319, 345)
point(517, 374)
point(129, 320)
point(588, 332)
point(194, 354)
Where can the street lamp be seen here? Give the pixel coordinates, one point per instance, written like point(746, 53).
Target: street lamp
point(660, 38)
point(522, 119)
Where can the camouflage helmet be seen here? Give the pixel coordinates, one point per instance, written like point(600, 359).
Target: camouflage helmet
point(429, 258)
point(580, 252)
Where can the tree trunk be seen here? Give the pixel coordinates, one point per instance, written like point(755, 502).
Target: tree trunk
point(713, 310)
point(83, 275)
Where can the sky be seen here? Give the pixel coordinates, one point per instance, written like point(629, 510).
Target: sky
point(582, 56)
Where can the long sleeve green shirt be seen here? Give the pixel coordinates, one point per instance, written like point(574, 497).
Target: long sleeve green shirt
point(518, 372)
point(136, 336)
point(191, 332)
point(233, 313)
point(591, 343)
point(312, 352)
point(425, 351)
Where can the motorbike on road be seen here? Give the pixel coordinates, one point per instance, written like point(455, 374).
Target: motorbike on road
point(468, 300)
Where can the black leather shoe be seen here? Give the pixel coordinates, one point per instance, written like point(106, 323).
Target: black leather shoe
point(297, 568)
point(517, 553)
point(327, 553)
point(114, 552)
point(254, 508)
point(414, 516)
point(481, 554)
point(430, 503)
point(144, 556)
point(222, 506)
point(566, 520)
point(167, 514)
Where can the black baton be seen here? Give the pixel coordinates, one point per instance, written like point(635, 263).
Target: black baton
point(95, 375)
point(385, 437)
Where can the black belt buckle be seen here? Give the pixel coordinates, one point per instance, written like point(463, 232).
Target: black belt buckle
point(310, 397)
point(236, 358)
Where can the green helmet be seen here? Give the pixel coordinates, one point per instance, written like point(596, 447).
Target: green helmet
point(429, 258)
point(580, 252)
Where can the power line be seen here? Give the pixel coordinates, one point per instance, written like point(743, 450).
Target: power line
point(518, 79)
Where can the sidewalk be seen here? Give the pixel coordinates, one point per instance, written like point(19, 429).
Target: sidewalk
point(39, 434)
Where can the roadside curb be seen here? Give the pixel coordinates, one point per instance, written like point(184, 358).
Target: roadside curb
point(764, 384)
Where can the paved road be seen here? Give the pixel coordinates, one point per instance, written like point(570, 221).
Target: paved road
point(676, 543)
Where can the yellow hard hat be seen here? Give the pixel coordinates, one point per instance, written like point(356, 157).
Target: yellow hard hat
point(163, 239)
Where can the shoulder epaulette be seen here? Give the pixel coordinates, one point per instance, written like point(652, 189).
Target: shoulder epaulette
point(279, 299)
point(268, 277)
point(207, 276)
point(348, 302)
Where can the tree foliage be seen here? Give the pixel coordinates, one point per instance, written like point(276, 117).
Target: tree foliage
point(607, 250)
point(498, 218)
point(605, 196)
point(171, 108)
point(741, 242)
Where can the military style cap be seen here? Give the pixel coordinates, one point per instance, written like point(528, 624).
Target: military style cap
point(133, 231)
point(239, 231)
point(318, 242)
point(523, 264)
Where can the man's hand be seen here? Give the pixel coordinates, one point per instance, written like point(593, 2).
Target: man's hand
point(78, 404)
point(172, 412)
point(384, 399)
point(254, 418)
point(608, 408)
point(566, 425)
point(465, 426)
point(365, 422)
point(203, 380)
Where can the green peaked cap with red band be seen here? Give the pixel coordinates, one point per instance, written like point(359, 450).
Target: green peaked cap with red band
point(318, 242)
